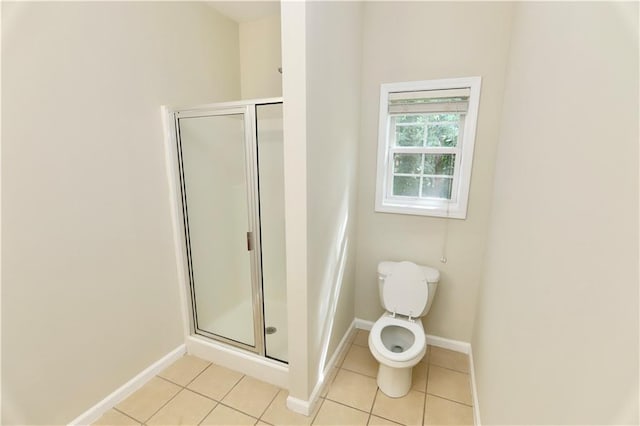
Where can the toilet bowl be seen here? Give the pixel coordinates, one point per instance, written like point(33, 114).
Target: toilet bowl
point(397, 339)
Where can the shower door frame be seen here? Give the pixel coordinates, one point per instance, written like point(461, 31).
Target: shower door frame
point(181, 234)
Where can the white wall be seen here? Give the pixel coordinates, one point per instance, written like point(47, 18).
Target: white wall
point(260, 58)
point(556, 336)
point(408, 41)
point(321, 94)
point(333, 46)
point(88, 279)
point(294, 92)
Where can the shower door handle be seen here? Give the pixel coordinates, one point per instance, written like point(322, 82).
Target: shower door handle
point(249, 241)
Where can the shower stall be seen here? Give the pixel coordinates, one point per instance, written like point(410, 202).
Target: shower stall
point(228, 180)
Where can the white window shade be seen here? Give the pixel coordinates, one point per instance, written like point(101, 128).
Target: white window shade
point(429, 101)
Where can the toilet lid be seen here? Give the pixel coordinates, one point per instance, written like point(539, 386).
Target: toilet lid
point(405, 290)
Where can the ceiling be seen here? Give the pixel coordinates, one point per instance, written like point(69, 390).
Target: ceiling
point(245, 11)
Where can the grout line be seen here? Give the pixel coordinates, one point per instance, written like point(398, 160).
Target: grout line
point(232, 388)
point(375, 396)
point(368, 419)
point(439, 396)
point(210, 411)
point(268, 405)
point(163, 405)
point(349, 406)
point(450, 369)
point(378, 415)
point(171, 381)
point(449, 399)
point(203, 395)
point(239, 411)
point(389, 420)
point(122, 412)
point(317, 412)
point(424, 400)
point(198, 375)
point(366, 375)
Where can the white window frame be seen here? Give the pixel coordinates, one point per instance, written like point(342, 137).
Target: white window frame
point(456, 207)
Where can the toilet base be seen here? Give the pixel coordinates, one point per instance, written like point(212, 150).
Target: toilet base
point(394, 382)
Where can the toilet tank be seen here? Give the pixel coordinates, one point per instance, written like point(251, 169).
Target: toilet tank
point(432, 276)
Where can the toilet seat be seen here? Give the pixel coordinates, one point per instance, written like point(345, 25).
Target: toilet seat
point(416, 350)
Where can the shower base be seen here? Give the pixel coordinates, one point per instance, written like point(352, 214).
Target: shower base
point(233, 324)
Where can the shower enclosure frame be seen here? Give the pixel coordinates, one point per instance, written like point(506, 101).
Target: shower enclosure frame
point(171, 116)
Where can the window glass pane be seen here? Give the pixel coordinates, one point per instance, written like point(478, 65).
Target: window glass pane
point(442, 134)
point(411, 118)
point(439, 164)
point(438, 118)
point(436, 187)
point(407, 163)
point(410, 135)
point(406, 186)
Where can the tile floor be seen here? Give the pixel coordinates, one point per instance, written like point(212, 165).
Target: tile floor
point(195, 392)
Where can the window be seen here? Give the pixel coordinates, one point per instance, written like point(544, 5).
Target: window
point(425, 146)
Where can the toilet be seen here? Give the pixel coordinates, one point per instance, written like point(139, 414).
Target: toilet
point(397, 338)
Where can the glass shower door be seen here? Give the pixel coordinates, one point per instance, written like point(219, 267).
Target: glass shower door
point(217, 194)
point(271, 171)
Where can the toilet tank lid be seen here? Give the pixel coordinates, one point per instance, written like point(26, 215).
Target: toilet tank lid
point(432, 275)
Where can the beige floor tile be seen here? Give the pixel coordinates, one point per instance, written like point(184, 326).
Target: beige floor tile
point(449, 359)
point(360, 360)
point(406, 410)
point(278, 414)
point(439, 411)
point(449, 384)
point(115, 418)
point(353, 389)
point(362, 338)
point(427, 354)
point(379, 421)
point(184, 370)
point(419, 376)
point(224, 416)
point(332, 413)
point(215, 382)
point(148, 399)
point(186, 408)
point(251, 396)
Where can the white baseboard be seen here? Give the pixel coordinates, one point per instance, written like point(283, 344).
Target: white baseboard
point(454, 345)
point(363, 324)
point(299, 406)
point(307, 407)
point(474, 391)
point(95, 412)
point(441, 342)
point(267, 370)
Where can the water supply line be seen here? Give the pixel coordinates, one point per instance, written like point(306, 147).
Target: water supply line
point(445, 237)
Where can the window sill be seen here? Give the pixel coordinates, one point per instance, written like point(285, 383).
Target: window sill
point(454, 211)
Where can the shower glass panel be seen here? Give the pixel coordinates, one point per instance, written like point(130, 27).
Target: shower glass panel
point(271, 184)
point(217, 219)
